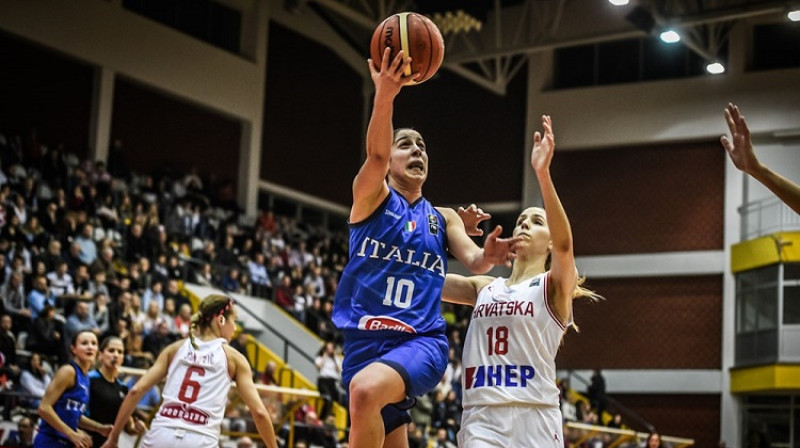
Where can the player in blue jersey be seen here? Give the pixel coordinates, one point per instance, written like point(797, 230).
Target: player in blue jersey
point(66, 399)
point(387, 303)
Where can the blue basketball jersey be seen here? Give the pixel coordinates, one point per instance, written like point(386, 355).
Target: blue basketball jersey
point(70, 405)
point(394, 277)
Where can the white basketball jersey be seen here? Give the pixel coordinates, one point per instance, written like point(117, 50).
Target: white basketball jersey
point(511, 345)
point(196, 390)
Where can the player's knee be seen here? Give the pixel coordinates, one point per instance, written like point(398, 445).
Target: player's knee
point(366, 394)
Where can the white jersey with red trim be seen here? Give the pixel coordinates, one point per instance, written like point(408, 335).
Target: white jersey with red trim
point(511, 345)
point(196, 390)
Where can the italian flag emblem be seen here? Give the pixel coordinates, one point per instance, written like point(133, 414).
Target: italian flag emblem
point(411, 226)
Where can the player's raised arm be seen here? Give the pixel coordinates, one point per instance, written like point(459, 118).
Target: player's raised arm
point(740, 149)
point(563, 274)
point(369, 186)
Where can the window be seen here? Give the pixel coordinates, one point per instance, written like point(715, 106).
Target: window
point(776, 46)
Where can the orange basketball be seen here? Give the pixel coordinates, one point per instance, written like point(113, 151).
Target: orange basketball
point(417, 36)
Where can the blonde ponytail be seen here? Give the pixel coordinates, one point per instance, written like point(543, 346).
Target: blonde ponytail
point(195, 323)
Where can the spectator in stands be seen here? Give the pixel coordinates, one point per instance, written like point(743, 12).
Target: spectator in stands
point(416, 437)
point(421, 412)
point(245, 442)
point(230, 282)
point(268, 376)
point(442, 440)
point(73, 256)
point(101, 313)
point(8, 348)
point(183, 321)
point(34, 233)
point(329, 365)
point(82, 280)
point(228, 254)
point(615, 422)
point(12, 230)
point(315, 281)
point(80, 320)
point(148, 276)
point(654, 440)
point(34, 381)
point(24, 435)
point(60, 281)
point(204, 276)
point(597, 392)
point(152, 317)
point(99, 284)
point(52, 256)
point(173, 291)
point(137, 315)
point(105, 263)
point(240, 343)
point(51, 218)
point(154, 294)
point(88, 252)
point(174, 268)
point(40, 297)
point(158, 339)
point(262, 285)
point(284, 294)
point(135, 244)
point(14, 302)
point(314, 316)
point(46, 335)
point(170, 313)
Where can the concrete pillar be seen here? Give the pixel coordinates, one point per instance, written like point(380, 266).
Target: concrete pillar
point(254, 42)
point(540, 73)
point(100, 120)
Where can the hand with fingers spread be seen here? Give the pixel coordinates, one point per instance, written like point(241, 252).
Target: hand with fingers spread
point(543, 146)
point(739, 146)
point(499, 251)
point(472, 217)
point(740, 149)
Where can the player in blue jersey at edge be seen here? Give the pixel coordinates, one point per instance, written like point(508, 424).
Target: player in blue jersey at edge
point(66, 399)
point(387, 302)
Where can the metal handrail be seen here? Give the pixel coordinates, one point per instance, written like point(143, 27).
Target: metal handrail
point(616, 404)
point(770, 215)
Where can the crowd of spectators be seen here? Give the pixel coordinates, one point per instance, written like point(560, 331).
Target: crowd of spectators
point(93, 246)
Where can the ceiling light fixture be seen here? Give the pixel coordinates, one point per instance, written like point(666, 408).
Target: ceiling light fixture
point(618, 2)
point(715, 68)
point(670, 36)
point(794, 16)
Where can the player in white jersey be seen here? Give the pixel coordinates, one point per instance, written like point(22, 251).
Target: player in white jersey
point(510, 394)
point(198, 372)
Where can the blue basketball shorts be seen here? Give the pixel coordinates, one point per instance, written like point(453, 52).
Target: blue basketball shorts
point(419, 359)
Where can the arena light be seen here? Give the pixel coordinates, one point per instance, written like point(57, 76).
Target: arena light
point(670, 36)
point(715, 68)
point(619, 2)
point(794, 16)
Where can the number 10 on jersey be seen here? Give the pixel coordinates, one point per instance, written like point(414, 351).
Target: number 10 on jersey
point(398, 292)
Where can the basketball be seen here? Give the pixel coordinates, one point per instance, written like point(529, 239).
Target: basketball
point(417, 36)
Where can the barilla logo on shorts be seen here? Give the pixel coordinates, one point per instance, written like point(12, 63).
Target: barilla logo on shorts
point(509, 375)
point(184, 412)
point(372, 323)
